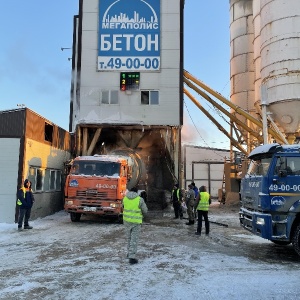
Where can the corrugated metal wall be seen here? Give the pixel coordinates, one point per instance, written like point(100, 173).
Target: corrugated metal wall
point(12, 123)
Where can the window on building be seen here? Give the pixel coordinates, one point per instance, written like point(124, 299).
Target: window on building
point(114, 97)
point(45, 179)
point(39, 180)
point(36, 178)
point(149, 97)
point(105, 97)
point(48, 132)
point(31, 177)
point(58, 180)
point(52, 179)
point(110, 97)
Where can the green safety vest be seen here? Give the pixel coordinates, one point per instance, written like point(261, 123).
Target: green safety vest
point(24, 191)
point(204, 201)
point(132, 213)
point(178, 194)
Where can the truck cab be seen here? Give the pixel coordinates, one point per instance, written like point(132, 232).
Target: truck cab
point(270, 194)
point(96, 185)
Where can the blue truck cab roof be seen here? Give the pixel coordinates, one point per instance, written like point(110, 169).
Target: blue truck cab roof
point(273, 148)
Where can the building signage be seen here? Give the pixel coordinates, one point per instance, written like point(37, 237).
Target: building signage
point(129, 35)
point(129, 81)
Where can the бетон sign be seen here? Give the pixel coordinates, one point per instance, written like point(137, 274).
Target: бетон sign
point(129, 35)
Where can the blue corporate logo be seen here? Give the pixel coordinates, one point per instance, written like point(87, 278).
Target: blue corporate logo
point(74, 183)
point(139, 15)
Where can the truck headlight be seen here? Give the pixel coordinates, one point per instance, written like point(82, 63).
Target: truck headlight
point(114, 205)
point(69, 202)
point(260, 221)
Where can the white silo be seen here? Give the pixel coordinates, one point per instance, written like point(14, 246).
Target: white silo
point(256, 49)
point(280, 61)
point(241, 59)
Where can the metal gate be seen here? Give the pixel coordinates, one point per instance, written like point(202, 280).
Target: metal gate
point(207, 173)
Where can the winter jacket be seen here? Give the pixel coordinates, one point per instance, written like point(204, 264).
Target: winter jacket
point(26, 198)
point(196, 191)
point(190, 197)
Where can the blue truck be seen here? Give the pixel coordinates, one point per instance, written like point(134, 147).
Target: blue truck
point(270, 194)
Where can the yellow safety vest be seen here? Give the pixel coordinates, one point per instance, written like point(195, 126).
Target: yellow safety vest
point(176, 194)
point(204, 201)
point(24, 191)
point(132, 213)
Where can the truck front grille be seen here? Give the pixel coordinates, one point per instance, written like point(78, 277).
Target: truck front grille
point(94, 194)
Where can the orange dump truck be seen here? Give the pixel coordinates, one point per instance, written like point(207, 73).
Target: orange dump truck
point(96, 185)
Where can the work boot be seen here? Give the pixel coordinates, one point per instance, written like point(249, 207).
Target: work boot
point(28, 227)
point(133, 261)
point(20, 228)
point(190, 222)
point(198, 233)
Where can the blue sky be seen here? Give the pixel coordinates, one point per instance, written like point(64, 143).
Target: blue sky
point(35, 72)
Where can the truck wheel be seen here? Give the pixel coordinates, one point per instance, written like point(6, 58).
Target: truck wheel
point(75, 217)
point(282, 243)
point(296, 240)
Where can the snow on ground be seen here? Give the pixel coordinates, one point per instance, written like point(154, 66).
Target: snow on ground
point(59, 259)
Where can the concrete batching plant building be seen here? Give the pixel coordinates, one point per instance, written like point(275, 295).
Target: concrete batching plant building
point(126, 94)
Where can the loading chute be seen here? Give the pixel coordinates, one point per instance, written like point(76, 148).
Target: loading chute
point(242, 135)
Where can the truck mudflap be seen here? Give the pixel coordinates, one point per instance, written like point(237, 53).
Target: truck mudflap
point(259, 224)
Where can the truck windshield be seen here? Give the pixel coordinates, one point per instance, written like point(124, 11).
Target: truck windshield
point(98, 168)
point(259, 166)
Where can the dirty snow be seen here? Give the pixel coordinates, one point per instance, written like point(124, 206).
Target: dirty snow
point(59, 259)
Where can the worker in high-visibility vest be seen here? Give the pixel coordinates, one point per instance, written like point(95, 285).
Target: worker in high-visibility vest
point(25, 202)
point(176, 200)
point(134, 209)
point(202, 204)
